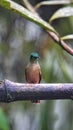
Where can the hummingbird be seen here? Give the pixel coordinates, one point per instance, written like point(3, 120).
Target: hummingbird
point(33, 71)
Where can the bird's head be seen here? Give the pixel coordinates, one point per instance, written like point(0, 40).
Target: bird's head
point(34, 56)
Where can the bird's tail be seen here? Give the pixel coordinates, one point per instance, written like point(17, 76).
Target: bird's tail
point(35, 101)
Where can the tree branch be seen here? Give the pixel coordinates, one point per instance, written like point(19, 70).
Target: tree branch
point(52, 34)
point(61, 42)
point(34, 17)
point(10, 91)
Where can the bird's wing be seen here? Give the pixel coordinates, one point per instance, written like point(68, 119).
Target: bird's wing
point(39, 76)
point(26, 73)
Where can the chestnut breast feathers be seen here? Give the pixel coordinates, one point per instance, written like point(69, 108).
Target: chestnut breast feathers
point(33, 73)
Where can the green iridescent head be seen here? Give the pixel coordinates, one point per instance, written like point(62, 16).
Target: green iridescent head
point(34, 56)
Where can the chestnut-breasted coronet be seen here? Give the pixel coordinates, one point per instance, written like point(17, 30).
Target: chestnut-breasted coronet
point(33, 71)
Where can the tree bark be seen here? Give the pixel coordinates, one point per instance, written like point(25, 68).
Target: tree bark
point(11, 91)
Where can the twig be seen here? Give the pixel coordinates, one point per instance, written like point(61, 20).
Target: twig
point(53, 35)
point(29, 6)
point(11, 91)
point(8, 4)
point(61, 43)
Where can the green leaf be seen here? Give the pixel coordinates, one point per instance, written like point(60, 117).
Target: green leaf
point(56, 2)
point(63, 12)
point(4, 125)
point(12, 6)
point(67, 37)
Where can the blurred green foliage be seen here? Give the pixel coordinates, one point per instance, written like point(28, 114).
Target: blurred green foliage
point(4, 123)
